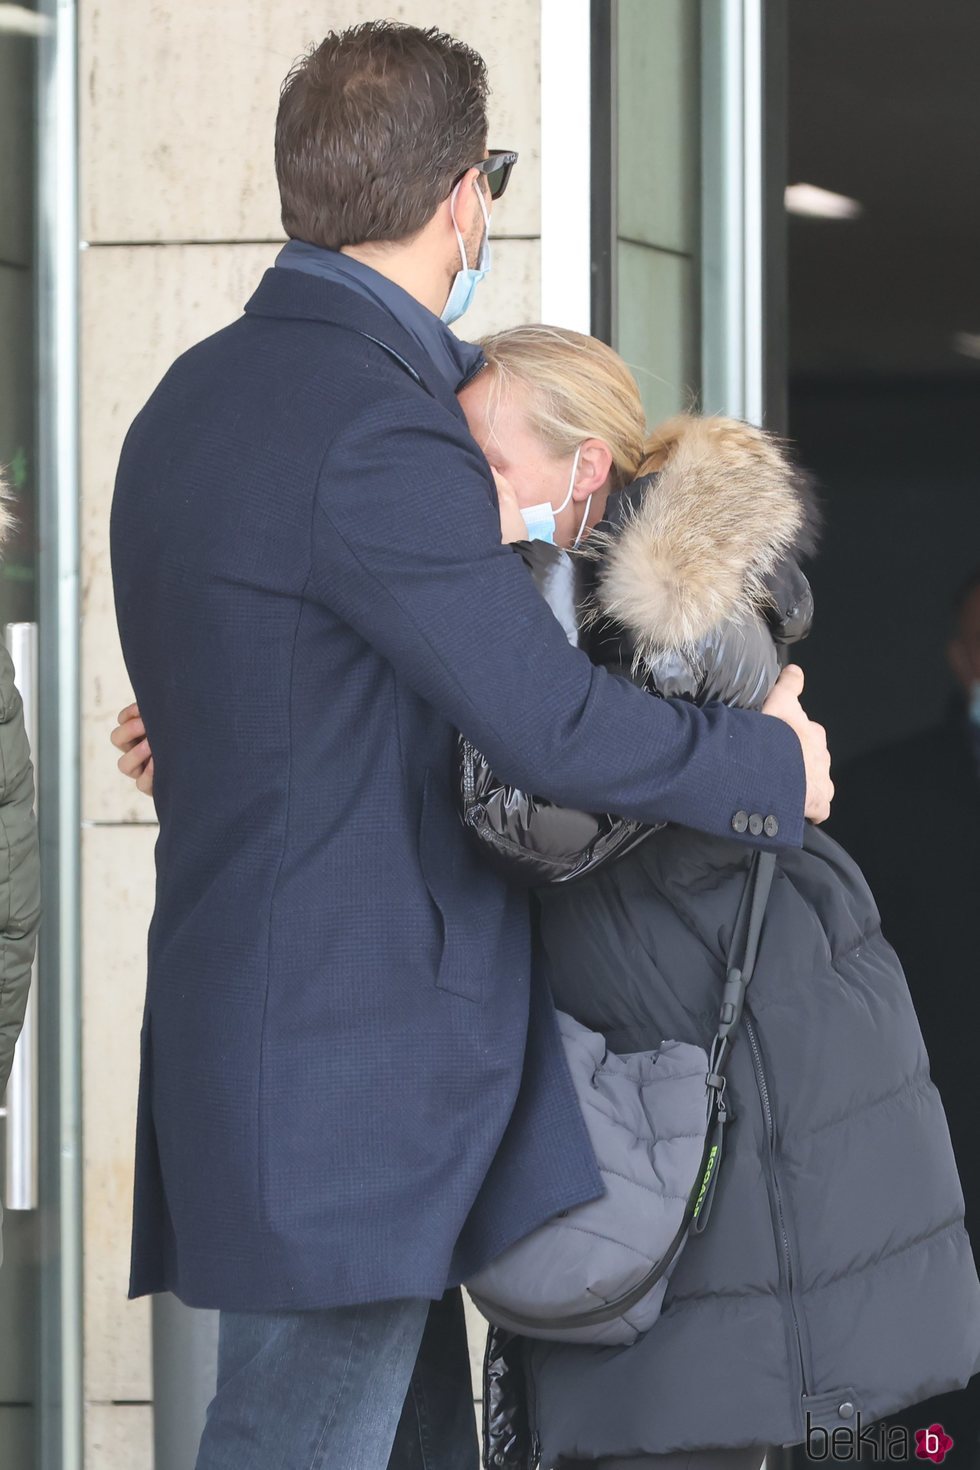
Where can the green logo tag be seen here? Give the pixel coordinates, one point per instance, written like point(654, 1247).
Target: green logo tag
point(709, 1170)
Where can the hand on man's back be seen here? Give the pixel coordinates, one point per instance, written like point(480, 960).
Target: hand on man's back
point(784, 704)
point(136, 760)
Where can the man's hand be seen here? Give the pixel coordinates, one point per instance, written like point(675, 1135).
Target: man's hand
point(136, 761)
point(784, 704)
point(512, 527)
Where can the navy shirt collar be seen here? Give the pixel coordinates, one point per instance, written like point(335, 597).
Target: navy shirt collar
point(455, 361)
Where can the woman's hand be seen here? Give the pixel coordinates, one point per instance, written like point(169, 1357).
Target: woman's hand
point(136, 760)
point(512, 527)
point(784, 704)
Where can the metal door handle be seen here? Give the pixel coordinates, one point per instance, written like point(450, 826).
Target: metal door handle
point(21, 1183)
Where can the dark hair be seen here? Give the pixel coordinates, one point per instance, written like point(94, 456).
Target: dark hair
point(965, 592)
point(375, 125)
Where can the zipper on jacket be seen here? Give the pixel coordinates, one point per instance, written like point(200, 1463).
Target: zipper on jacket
point(474, 374)
point(784, 1234)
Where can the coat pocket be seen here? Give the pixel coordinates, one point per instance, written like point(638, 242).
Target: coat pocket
point(462, 967)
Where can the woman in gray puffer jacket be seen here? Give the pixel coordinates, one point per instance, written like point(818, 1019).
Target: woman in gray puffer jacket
point(834, 1282)
point(20, 864)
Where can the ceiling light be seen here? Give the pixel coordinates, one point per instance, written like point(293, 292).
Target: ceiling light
point(816, 203)
point(967, 344)
point(19, 21)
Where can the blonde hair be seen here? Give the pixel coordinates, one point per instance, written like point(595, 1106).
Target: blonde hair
point(574, 387)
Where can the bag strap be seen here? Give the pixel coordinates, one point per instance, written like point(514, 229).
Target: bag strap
point(743, 955)
point(741, 967)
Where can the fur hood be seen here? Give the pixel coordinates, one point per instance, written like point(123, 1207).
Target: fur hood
point(698, 542)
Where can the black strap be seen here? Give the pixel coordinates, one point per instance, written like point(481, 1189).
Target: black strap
point(742, 959)
point(741, 967)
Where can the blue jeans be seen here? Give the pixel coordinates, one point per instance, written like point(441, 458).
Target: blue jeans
point(318, 1390)
point(437, 1429)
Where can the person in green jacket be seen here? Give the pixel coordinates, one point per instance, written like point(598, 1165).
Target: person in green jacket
point(20, 861)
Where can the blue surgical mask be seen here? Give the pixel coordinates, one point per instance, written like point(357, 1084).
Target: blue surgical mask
point(540, 519)
point(466, 280)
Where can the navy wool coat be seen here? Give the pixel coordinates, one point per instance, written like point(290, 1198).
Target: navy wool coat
point(312, 597)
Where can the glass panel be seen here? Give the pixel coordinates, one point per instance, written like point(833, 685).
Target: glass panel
point(658, 329)
point(742, 224)
point(658, 126)
point(657, 189)
point(686, 254)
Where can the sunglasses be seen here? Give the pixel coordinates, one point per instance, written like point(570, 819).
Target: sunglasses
point(497, 169)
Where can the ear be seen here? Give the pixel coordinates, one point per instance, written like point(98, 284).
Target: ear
point(594, 468)
point(467, 203)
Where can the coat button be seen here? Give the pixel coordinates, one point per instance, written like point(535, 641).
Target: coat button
point(772, 827)
point(755, 824)
point(846, 1409)
point(740, 821)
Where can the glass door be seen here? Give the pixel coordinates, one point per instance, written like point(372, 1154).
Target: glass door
point(39, 1278)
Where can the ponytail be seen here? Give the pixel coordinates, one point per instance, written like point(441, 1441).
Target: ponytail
point(660, 445)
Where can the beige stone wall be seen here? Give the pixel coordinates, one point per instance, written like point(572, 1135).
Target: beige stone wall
point(179, 213)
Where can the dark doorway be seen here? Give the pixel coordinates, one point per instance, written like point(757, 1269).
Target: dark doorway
point(884, 314)
point(884, 405)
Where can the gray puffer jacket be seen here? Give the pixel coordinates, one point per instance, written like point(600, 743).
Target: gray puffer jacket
point(835, 1276)
point(20, 866)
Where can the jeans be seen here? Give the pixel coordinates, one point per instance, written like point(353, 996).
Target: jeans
point(437, 1429)
point(311, 1390)
point(346, 1387)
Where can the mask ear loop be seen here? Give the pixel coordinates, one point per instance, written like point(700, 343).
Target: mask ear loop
point(582, 526)
point(571, 484)
point(459, 234)
point(571, 491)
point(483, 259)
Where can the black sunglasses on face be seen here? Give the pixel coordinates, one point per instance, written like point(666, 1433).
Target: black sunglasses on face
point(497, 168)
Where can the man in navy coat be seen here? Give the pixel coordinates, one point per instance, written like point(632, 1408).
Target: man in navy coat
point(352, 1092)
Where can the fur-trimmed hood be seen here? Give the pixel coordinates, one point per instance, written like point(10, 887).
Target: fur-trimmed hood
point(698, 543)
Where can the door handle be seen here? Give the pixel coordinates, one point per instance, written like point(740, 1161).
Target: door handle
point(21, 1182)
